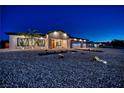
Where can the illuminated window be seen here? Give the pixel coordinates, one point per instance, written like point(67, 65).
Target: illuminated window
point(59, 43)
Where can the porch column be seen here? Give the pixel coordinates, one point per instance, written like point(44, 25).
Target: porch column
point(47, 42)
point(68, 43)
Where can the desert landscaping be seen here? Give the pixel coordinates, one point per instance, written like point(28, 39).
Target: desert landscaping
point(76, 68)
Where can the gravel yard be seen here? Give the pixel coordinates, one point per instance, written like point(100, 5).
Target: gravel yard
point(75, 70)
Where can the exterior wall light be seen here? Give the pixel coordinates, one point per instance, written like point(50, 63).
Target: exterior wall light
point(84, 40)
point(41, 37)
point(80, 40)
point(55, 33)
point(23, 36)
point(75, 39)
point(65, 35)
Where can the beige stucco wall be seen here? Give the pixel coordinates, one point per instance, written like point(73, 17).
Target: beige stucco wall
point(13, 41)
point(58, 35)
point(46, 42)
point(84, 45)
point(64, 44)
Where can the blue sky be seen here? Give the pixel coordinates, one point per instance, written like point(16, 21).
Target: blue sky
point(96, 23)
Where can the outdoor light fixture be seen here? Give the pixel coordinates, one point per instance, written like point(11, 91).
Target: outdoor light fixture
point(41, 37)
point(75, 39)
point(65, 34)
point(84, 40)
point(80, 40)
point(55, 33)
point(23, 36)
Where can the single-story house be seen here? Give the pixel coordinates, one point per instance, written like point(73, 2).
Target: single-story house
point(50, 40)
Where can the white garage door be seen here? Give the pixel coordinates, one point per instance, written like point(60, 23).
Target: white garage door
point(76, 45)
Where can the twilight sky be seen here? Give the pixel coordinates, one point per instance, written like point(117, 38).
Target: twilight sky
point(96, 23)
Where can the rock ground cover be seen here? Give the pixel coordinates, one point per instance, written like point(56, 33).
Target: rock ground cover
point(75, 70)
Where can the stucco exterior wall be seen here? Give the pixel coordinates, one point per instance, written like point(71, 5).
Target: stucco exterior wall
point(84, 45)
point(46, 42)
point(58, 35)
point(13, 41)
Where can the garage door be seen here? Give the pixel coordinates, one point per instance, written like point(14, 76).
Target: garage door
point(76, 45)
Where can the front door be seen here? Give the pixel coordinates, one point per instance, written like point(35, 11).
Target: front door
point(53, 44)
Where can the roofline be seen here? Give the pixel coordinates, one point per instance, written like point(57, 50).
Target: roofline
point(11, 33)
point(71, 37)
point(78, 38)
point(21, 33)
point(58, 30)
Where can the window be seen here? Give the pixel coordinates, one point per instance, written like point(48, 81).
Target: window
point(58, 43)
